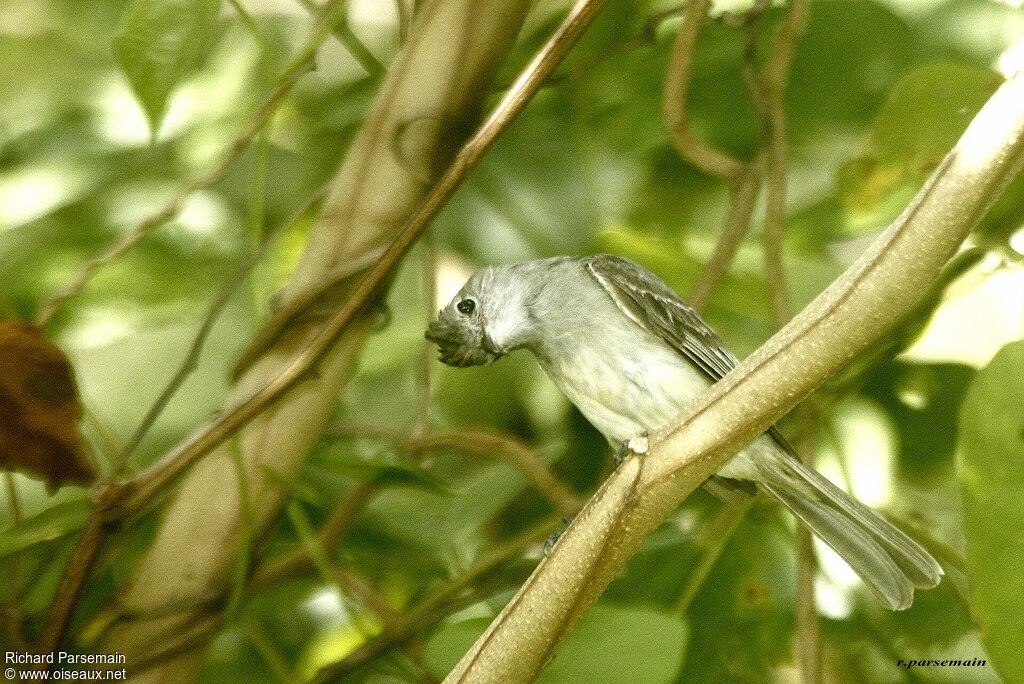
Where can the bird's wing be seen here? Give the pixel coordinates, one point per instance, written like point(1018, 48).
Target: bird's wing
point(655, 307)
point(652, 305)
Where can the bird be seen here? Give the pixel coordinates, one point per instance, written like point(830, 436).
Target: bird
point(631, 354)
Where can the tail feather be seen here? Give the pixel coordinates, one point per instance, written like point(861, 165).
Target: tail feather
point(890, 563)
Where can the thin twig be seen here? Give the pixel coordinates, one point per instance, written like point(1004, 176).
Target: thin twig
point(436, 606)
point(14, 507)
point(76, 574)
point(343, 32)
point(120, 499)
point(488, 443)
point(105, 512)
point(771, 106)
point(768, 90)
point(338, 525)
point(719, 532)
point(404, 21)
point(143, 488)
point(13, 614)
point(185, 639)
point(357, 585)
point(481, 443)
point(347, 581)
point(744, 178)
point(266, 648)
point(298, 67)
point(690, 146)
point(646, 37)
point(191, 360)
point(737, 224)
point(426, 361)
point(257, 35)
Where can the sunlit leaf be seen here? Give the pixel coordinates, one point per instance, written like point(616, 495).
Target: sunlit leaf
point(158, 43)
point(920, 122)
point(928, 110)
point(992, 482)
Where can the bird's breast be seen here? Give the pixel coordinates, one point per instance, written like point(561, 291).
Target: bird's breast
point(624, 387)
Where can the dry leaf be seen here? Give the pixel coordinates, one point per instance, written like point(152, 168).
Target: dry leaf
point(39, 410)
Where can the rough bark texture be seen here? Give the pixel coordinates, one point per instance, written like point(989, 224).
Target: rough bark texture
point(427, 105)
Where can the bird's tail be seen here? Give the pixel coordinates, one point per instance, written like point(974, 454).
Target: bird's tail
point(890, 563)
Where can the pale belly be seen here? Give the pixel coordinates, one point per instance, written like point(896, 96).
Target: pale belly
point(638, 395)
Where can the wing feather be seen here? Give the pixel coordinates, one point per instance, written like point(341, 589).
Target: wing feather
point(656, 308)
point(652, 305)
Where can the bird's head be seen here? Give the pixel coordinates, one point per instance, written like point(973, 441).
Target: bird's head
point(489, 317)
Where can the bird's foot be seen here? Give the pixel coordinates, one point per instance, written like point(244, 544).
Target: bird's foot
point(638, 445)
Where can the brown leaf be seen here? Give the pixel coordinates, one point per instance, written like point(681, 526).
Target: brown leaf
point(39, 409)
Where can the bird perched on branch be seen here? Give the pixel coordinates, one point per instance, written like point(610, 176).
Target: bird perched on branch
point(631, 355)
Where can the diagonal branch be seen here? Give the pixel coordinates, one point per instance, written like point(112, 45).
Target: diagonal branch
point(155, 478)
point(382, 195)
point(873, 295)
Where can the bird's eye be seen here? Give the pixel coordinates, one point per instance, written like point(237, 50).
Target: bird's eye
point(466, 307)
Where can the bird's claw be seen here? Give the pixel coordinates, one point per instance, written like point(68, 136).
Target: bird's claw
point(638, 445)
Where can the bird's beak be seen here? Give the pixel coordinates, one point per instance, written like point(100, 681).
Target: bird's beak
point(488, 345)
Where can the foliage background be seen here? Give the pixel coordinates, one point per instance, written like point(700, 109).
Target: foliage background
point(878, 91)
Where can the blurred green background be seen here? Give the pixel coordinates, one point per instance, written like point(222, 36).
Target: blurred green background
point(878, 92)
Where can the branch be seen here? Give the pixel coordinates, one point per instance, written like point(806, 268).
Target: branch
point(535, 470)
point(701, 154)
point(343, 32)
point(381, 195)
point(437, 605)
point(770, 85)
point(745, 179)
point(155, 478)
point(481, 443)
point(191, 360)
point(768, 90)
point(72, 583)
point(873, 295)
point(333, 530)
point(104, 513)
point(736, 225)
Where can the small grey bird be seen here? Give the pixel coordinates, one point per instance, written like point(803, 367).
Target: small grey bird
point(631, 355)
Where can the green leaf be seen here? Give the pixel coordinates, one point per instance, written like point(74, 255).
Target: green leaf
point(158, 43)
point(610, 645)
point(992, 482)
point(928, 110)
point(924, 116)
point(52, 523)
